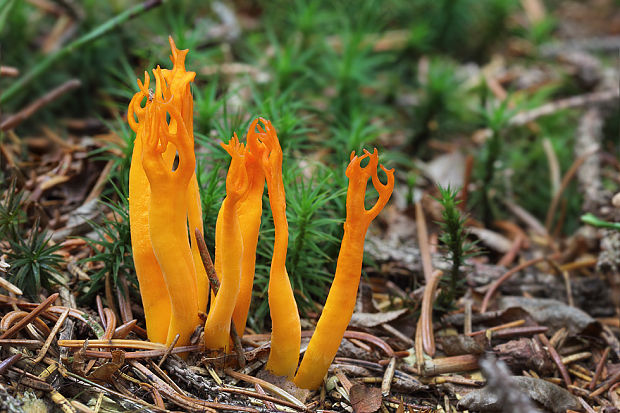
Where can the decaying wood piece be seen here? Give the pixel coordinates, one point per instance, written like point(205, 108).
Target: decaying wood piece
point(525, 354)
point(609, 262)
point(500, 393)
point(589, 135)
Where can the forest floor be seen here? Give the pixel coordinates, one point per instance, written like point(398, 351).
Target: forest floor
point(491, 281)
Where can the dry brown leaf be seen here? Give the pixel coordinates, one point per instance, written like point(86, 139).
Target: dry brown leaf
point(105, 372)
point(365, 399)
point(369, 320)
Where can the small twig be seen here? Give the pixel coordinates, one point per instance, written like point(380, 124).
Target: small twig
point(584, 355)
point(606, 385)
point(510, 256)
point(386, 384)
point(123, 330)
point(8, 362)
point(371, 339)
point(168, 350)
point(511, 324)
point(165, 377)
point(467, 318)
point(507, 275)
point(585, 405)
point(268, 404)
point(530, 220)
point(51, 336)
point(572, 102)
point(426, 315)
point(344, 381)
point(114, 343)
point(110, 323)
point(215, 284)
point(554, 165)
point(397, 333)
point(102, 180)
point(26, 320)
point(262, 396)
point(141, 354)
point(599, 369)
point(452, 364)
point(604, 43)
point(469, 166)
point(556, 359)
point(139, 402)
point(14, 120)
point(569, 288)
point(267, 386)
point(207, 262)
point(425, 252)
point(99, 304)
point(519, 332)
point(565, 181)
point(21, 342)
point(419, 347)
point(10, 287)
point(122, 295)
point(9, 71)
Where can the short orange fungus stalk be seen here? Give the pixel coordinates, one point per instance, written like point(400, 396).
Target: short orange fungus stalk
point(343, 292)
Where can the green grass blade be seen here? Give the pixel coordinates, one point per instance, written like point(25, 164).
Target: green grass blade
point(99, 31)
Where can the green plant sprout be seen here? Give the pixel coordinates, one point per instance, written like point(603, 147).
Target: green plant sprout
point(34, 262)
point(12, 214)
point(595, 221)
point(112, 248)
point(454, 242)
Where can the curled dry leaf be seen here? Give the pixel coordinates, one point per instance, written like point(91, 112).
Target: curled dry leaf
point(369, 320)
point(462, 344)
point(106, 371)
point(554, 314)
point(551, 396)
point(365, 399)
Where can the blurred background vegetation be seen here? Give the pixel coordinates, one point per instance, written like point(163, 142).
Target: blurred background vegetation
point(418, 79)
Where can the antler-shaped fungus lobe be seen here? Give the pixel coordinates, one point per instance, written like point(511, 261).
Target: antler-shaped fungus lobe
point(230, 250)
point(168, 207)
point(176, 92)
point(249, 210)
point(153, 290)
point(342, 294)
point(286, 327)
point(180, 93)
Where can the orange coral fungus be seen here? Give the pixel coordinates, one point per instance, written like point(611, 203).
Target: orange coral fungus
point(249, 211)
point(160, 202)
point(230, 251)
point(181, 97)
point(286, 327)
point(153, 290)
point(342, 294)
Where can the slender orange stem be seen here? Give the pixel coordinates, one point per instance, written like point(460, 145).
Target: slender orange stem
point(286, 326)
point(342, 294)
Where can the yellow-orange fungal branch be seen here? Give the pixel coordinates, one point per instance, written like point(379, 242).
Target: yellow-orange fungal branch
point(153, 290)
point(168, 210)
point(342, 294)
point(286, 327)
point(249, 210)
point(162, 201)
point(229, 251)
point(179, 80)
